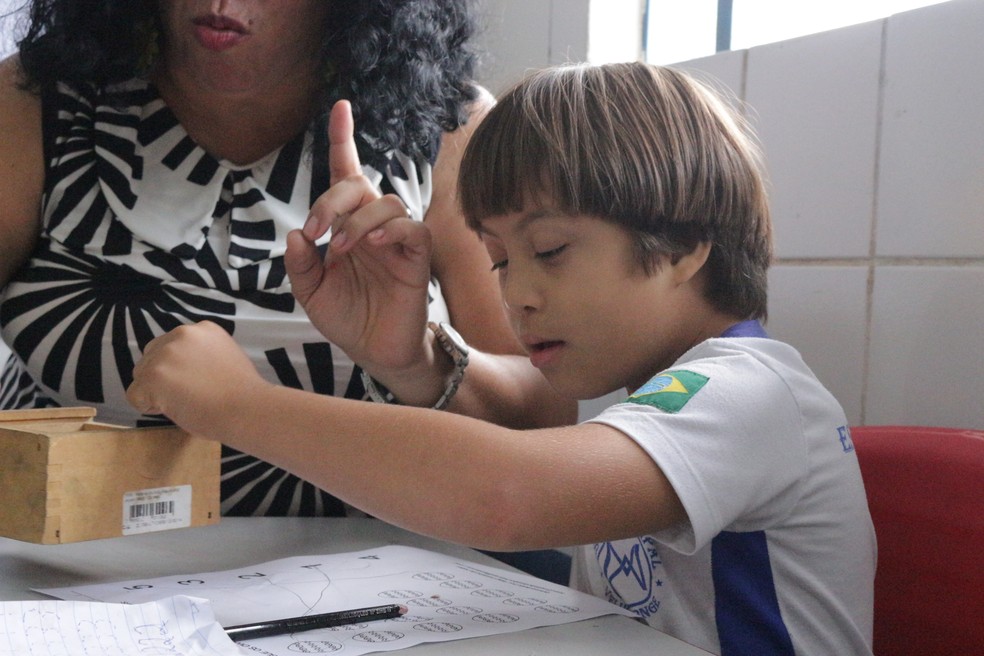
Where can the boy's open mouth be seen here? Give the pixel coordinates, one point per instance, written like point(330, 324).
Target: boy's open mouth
point(542, 354)
point(543, 346)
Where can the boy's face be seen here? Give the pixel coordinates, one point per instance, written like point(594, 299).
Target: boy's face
point(591, 320)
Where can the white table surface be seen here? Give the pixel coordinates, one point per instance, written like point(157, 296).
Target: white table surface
point(238, 542)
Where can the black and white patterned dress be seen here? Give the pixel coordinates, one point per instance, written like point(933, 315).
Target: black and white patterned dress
point(142, 231)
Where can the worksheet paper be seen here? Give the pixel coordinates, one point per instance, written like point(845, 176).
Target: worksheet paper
point(448, 599)
point(176, 626)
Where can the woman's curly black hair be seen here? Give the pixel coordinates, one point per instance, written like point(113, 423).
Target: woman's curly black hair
point(407, 66)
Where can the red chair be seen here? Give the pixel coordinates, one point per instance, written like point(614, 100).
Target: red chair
point(925, 489)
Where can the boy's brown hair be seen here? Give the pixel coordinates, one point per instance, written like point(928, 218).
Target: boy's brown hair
point(646, 147)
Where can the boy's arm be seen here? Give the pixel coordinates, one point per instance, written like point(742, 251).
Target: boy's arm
point(436, 473)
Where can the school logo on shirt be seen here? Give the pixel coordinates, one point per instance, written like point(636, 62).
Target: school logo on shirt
point(844, 435)
point(631, 569)
point(670, 390)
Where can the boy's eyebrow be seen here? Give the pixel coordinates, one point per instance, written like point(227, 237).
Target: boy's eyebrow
point(538, 213)
point(525, 220)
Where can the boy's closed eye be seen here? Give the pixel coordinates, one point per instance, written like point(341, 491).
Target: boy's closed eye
point(551, 252)
point(540, 255)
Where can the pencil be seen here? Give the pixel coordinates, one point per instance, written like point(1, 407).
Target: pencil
point(287, 625)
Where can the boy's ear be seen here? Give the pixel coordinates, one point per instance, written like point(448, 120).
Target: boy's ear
point(687, 266)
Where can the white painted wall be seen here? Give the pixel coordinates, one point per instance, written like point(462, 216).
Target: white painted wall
point(615, 30)
point(527, 34)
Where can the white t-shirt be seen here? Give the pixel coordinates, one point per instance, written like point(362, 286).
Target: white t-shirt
point(778, 555)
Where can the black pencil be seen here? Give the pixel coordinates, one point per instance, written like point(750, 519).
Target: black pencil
point(310, 622)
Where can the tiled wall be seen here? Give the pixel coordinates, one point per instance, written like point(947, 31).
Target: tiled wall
point(518, 35)
point(874, 142)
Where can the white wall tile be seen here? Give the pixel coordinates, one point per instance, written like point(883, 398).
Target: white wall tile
point(927, 347)
point(522, 35)
point(931, 187)
point(820, 310)
point(724, 71)
point(569, 29)
point(505, 36)
point(814, 102)
point(593, 407)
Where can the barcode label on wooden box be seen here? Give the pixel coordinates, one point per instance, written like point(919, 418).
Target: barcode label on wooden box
point(158, 509)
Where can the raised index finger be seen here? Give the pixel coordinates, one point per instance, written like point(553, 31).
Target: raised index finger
point(343, 157)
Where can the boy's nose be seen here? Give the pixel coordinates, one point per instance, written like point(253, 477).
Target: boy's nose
point(519, 293)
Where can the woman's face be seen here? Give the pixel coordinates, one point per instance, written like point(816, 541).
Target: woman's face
point(242, 46)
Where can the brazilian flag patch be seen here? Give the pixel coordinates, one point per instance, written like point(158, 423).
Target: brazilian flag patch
point(670, 390)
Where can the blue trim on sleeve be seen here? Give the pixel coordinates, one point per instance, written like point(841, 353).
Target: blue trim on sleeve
point(745, 602)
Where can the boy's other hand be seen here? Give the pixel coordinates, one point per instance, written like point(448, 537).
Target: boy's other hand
point(195, 375)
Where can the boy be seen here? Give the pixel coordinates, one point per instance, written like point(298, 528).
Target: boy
point(625, 217)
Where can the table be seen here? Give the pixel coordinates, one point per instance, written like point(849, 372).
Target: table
point(238, 542)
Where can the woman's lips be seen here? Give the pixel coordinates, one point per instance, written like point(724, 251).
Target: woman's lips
point(218, 33)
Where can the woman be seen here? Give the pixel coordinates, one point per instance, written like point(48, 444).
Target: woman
point(155, 155)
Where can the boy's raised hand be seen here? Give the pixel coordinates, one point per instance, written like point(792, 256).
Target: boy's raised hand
point(368, 295)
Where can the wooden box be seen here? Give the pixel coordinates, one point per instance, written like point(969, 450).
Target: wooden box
point(66, 478)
